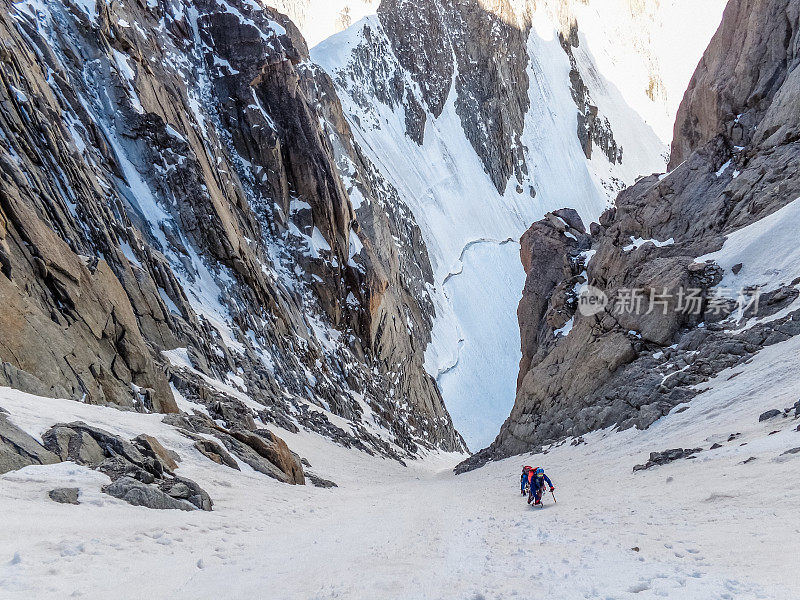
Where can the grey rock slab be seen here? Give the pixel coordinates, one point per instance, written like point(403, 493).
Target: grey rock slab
point(64, 495)
point(18, 449)
point(140, 494)
point(319, 481)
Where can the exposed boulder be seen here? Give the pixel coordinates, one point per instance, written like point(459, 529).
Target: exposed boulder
point(319, 482)
point(88, 445)
point(770, 414)
point(144, 458)
point(216, 453)
point(64, 495)
point(18, 449)
point(181, 488)
point(667, 456)
point(141, 470)
point(153, 449)
point(274, 449)
point(75, 445)
point(118, 466)
point(261, 449)
point(137, 493)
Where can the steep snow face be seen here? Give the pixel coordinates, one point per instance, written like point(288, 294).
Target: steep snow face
point(320, 19)
point(649, 50)
point(469, 223)
point(753, 248)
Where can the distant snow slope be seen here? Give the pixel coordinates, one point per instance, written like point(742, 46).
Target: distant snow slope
point(649, 49)
point(470, 229)
point(320, 19)
point(722, 525)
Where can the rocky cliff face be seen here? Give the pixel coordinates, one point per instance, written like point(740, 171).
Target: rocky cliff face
point(735, 160)
point(744, 83)
point(184, 215)
point(481, 51)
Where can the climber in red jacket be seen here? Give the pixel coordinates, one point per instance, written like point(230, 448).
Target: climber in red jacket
point(523, 481)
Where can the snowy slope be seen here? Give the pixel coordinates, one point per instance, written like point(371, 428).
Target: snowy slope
point(420, 532)
point(649, 50)
point(754, 247)
point(470, 229)
point(320, 19)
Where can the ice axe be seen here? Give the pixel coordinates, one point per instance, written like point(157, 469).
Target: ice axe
point(554, 496)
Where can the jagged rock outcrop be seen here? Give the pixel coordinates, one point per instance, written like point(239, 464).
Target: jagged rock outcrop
point(743, 87)
point(261, 449)
point(548, 299)
point(141, 470)
point(471, 113)
point(482, 51)
point(735, 160)
point(479, 52)
point(593, 128)
point(173, 210)
point(18, 449)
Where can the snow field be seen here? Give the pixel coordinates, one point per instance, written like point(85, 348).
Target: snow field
point(706, 528)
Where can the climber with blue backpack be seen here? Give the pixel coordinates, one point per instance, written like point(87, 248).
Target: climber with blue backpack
point(536, 481)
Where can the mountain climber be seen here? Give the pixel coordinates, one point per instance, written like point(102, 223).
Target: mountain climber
point(523, 481)
point(536, 481)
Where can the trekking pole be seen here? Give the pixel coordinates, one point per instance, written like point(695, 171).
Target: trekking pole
point(554, 496)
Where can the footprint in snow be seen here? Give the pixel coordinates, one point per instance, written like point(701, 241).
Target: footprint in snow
point(639, 587)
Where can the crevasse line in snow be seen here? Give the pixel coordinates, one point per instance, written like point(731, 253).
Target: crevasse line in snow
point(459, 269)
